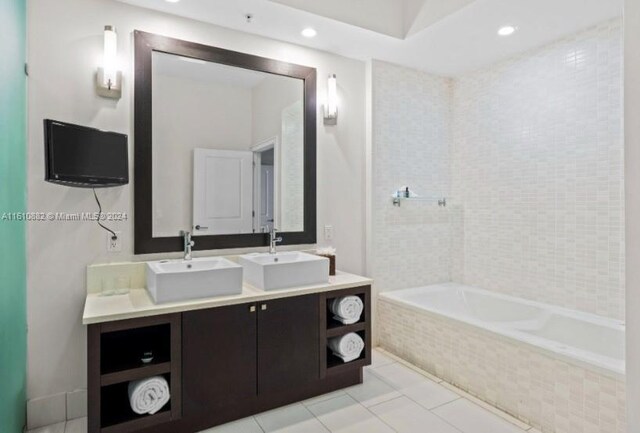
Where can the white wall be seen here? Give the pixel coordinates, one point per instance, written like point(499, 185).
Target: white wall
point(65, 46)
point(538, 167)
point(269, 98)
point(190, 114)
point(632, 194)
point(278, 111)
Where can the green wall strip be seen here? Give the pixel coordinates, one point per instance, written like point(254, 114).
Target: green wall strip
point(13, 327)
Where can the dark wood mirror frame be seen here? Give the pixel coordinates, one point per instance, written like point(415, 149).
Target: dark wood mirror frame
point(145, 45)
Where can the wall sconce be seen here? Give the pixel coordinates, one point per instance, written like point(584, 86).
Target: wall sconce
point(109, 78)
point(331, 107)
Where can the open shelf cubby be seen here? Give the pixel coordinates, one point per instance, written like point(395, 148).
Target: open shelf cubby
point(115, 350)
point(123, 350)
point(116, 410)
point(333, 323)
point(331, 364)
point(335, 361)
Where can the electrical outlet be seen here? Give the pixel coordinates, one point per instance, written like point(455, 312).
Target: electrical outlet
point(114, 245)
point(328, 232)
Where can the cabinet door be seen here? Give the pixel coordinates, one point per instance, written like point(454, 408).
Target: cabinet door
point(288, 343)
point(219, 359)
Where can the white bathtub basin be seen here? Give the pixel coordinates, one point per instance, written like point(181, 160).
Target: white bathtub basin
point(585, 339)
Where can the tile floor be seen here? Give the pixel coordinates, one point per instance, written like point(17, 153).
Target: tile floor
point(393, 398)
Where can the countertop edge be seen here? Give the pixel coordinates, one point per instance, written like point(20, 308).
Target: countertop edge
point(249, 294)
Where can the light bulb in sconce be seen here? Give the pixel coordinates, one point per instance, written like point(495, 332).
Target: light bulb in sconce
point(109, 78)
point(110, 56)
point(331, 107)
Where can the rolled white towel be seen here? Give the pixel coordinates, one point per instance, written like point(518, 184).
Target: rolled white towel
point(148, 395)
point(347, 347)
point(347, 309)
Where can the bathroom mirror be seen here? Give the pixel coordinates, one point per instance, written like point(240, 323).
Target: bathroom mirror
point(224, 145)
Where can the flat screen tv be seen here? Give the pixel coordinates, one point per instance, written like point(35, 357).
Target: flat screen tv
point(84, 157)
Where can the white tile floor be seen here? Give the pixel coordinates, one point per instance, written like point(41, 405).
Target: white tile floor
point(393, 398)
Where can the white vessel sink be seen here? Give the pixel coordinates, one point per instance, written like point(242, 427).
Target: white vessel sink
point(284, 270)
point(181, 280)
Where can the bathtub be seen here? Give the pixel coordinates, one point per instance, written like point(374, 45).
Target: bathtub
point(548, 366)
point(593, 342)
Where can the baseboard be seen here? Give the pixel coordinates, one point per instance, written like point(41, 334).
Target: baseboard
point(56, 408)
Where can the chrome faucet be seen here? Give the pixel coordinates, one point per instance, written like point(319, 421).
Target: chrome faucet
point(273, 240)
point(187, 243)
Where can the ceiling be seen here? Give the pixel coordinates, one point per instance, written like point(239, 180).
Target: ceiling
point(446, 37)
point(396, 18)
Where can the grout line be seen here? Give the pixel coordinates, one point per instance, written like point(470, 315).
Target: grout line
point(383, 402)
point(421, 407)
point(319, 420)
point(315, 417)
point(402, 394)
point(446, 420)
point(463, 394)
point(255, 418)
point(488, 407)
point(442, 404)
point(399, 360)
point(376, 416)
point(326, 399)
point(357, 403)
point(382, 352)
point(326, 427)
point(422, 372)
point(380, 402)
point(258, 424)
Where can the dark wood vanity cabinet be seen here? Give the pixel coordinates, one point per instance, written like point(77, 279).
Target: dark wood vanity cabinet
point(288, 352)
point(224, 363)
point(219, 358)
point(233, 354)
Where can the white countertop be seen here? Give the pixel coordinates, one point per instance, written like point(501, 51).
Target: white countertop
point(137, 303)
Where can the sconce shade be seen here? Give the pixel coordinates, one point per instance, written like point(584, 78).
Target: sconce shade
point(331, 107)
point(109, 78)
point(110, 55)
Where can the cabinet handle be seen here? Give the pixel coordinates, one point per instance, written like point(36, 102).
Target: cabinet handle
point(263, 307)
point(252, 309)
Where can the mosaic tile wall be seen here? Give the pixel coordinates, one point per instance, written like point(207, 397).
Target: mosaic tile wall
point(547, 393)
point(530, 155)
point(412, 244)
point(538, 165)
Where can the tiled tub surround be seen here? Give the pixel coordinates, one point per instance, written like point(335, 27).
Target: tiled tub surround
point(529, 153)
point(538, 167)
point(501, 350)
point(410, 147)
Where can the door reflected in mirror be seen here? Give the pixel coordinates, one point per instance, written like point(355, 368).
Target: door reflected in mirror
point(228, 149)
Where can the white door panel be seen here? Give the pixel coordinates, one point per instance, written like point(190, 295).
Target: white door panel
point(222, 191)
